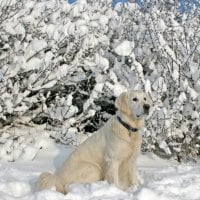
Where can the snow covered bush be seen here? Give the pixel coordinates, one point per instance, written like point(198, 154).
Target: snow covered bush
point(51, 65)
point(167, 47)
point(62, 66)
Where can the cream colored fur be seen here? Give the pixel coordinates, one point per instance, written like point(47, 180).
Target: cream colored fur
point(110, 154)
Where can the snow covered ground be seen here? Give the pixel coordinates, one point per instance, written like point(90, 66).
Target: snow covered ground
point(163, 180)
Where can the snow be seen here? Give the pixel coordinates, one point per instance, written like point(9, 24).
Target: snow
point(161, 25)
point(148, 86)
point(124, 48)
point(163, 180)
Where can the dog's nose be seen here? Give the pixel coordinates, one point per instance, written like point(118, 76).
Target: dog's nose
point(146, 108)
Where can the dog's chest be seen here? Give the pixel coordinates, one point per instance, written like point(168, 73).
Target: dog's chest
point(135, 142)
point(130, 147)
point(121, 143)
point(135, 138)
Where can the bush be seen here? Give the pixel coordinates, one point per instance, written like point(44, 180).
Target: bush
point(62, 66)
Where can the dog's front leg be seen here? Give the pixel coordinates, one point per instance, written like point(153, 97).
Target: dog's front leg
point(112, 172)
point(133, 175)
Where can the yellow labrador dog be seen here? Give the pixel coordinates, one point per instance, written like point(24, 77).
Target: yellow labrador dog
point(110, 154)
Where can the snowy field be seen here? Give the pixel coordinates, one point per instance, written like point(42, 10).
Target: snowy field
point(162, 180)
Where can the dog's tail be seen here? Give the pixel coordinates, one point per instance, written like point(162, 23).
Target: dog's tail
point(48, 181)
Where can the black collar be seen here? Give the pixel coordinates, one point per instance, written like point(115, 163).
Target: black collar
point(126, 125)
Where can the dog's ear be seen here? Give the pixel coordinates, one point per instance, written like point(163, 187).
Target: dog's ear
point(121, 102)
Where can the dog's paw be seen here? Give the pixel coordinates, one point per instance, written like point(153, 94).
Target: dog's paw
point(140, 179)
point(133, 187)
point(136, 183)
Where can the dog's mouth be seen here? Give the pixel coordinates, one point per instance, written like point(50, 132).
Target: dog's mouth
point(144, 114)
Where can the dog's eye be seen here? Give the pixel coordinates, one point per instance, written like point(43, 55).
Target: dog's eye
point(135, 99)
point(145, 98)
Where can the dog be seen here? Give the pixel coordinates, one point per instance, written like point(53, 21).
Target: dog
point(110, 154)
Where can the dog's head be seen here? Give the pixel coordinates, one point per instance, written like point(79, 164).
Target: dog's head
point(134, 103)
